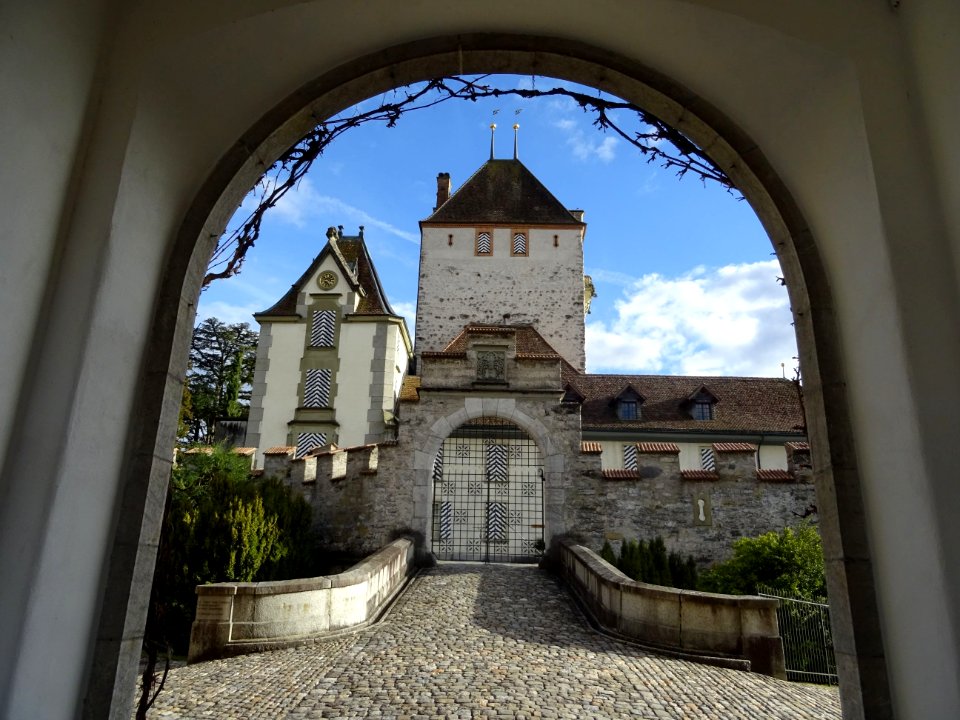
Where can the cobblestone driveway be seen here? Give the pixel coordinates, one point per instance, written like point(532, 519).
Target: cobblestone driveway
point(480, 641)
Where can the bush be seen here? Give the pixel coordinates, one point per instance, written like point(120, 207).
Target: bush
point(790, 562)
point(223, 525)
point(650, 563)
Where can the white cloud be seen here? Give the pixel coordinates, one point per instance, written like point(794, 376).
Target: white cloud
point(230, 313)
point(303, 205)
point(409, 312)
point(587, 144)
point(733, 320)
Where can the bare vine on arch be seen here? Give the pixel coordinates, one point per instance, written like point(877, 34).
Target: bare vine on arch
point(657, 141)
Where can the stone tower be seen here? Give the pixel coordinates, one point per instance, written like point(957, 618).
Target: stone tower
point(502, 250)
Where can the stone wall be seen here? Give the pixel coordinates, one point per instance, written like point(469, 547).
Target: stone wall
point(362, 497)
point(697, 513)
point(457, 288)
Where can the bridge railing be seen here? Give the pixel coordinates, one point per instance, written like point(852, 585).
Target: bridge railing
point(233, 618)
point(686, 621)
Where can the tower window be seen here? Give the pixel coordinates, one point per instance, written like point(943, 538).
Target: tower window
point(484, 244)
point(519, 246)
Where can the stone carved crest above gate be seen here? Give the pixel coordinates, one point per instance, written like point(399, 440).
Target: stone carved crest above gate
point(491, 365)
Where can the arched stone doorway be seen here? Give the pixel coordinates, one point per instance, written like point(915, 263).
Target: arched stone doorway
point(488, 494)
point(847, 542)
point(829, 427)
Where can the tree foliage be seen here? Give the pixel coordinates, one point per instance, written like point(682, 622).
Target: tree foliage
point(651, 563)
point(222, 359)
point(791, 562)
point(223, 525)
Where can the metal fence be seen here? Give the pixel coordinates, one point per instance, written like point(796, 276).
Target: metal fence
point(807, 640)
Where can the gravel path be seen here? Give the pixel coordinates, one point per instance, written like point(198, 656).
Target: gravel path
point(480, 641)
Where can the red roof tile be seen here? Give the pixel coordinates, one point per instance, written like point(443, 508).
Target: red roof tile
point(699, 475)
point(658, 448)
point(280, 450)
point(347, 251)
point(744, 405)
point(618, 474)
point(732, 447)
point(775, 475)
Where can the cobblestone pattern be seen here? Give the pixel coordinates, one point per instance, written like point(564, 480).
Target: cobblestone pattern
point(480, 641)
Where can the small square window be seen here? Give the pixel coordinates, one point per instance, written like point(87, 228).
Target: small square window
point(484, 243)
point(628, 410)
point(702, 411)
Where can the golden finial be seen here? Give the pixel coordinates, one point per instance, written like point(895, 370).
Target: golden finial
point(493, 128)
point(516, 134)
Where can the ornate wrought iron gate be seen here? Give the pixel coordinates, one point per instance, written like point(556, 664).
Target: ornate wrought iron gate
point(488, 494)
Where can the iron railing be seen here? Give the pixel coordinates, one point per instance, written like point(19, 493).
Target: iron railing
point(807, 640)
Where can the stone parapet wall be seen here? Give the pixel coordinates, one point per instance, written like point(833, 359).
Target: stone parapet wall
point(680, 620)
point(239, 618)
point(363, 497)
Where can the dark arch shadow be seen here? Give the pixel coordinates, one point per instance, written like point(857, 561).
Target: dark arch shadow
point(126, 586)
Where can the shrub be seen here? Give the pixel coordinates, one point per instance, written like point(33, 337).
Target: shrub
point(650, 563)
point(223, 525)
point(790, 562)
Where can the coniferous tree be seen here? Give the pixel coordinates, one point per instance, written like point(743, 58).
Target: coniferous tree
point(219, 378)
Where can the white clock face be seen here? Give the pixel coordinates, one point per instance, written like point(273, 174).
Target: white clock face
point(327, 280)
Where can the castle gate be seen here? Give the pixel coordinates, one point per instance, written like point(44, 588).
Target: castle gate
point(488, 494)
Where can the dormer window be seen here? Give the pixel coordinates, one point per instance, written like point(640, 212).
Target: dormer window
point(627, 404)
point(628, 410)
point(700, 404)
point(702, 410)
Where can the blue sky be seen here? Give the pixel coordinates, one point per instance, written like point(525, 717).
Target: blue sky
point(685, 275)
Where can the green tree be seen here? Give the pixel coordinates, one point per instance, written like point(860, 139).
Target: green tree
point(650, 563)
point(219, 378)
point(790, 561)
point(607, 553)
point(223, 525)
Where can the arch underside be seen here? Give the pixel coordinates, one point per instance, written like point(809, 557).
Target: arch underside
point(829, 427)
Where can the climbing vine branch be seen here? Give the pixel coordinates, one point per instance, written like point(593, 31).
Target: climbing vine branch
point(656, 140)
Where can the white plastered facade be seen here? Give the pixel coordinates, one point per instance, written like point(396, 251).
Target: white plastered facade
point(122, 122)
point(366, 359)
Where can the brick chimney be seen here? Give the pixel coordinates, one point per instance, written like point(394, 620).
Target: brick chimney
point(443, 189)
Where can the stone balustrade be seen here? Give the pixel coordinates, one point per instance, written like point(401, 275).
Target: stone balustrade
point(685, 621)
point(234, 618)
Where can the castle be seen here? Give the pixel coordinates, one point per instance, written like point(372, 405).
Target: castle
point(486, 434)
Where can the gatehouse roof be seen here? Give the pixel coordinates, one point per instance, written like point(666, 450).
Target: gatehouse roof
point(503, 192)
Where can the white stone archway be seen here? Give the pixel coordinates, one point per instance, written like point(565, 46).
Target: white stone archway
point(130, 142)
